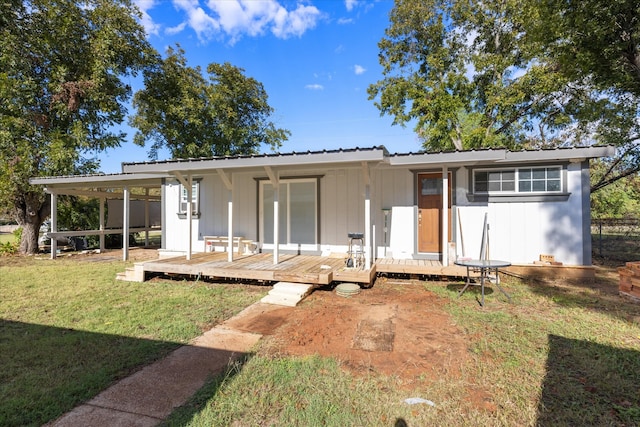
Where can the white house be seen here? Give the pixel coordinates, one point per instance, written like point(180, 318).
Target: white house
point(407, 206)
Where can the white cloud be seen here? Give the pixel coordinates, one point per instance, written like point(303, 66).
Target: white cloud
point(350, 4)
point(234, 19)
point(147, 23)
point(296, 22)
point(359, 69)
point(314, 87)
point(175, 30)
point(345, 21)
point(204, 25)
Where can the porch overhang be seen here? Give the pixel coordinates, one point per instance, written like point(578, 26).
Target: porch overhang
point(59, 184)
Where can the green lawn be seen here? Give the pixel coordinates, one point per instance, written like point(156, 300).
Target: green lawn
point(68, 329)
point(560, 354)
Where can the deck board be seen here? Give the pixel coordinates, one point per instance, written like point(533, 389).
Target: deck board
point(315, 270)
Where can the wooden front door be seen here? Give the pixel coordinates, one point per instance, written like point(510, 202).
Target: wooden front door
point(429, 187)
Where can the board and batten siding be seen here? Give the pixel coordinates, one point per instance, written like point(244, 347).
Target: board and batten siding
point(520, 232)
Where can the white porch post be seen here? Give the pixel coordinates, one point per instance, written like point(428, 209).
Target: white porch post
point(276, 224)
point(367, 225)
point(230, 224)
point(125, 224)
point(445, 216)
point(190, 214)
point(54, 224)
point(275, 182)
point(228, 183)
point(102, 202)
point(146, 218)
point(367, 214)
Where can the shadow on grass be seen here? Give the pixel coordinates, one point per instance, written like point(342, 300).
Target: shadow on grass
point(183, 415)
point(589, 384)
point(599, 295)
point(47, 371)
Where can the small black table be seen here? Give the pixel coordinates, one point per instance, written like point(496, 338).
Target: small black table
point(485, 267)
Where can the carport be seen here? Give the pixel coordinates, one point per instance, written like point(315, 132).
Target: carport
point(107, 187)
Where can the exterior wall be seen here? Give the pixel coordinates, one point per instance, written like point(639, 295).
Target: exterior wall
point(213, 219)
point(341, 209)
point(519, 231)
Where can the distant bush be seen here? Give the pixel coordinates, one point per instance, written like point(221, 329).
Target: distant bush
point(11, 247)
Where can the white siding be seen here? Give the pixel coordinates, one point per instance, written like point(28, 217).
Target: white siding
point(519, 231)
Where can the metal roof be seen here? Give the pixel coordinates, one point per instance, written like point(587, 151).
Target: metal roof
point(144, 174)
point(339, 156)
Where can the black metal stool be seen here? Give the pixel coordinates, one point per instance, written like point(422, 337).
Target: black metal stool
point(356, 250)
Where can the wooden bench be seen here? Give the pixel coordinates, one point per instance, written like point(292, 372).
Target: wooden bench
point(240, 244)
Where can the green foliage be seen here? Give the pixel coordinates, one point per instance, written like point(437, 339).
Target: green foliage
point(620, 199)
point(227, 114)
point(594, 39)
point(61, 65)
point(455, 67)
point(515, 74)
point(10, 247)
point(78, 213)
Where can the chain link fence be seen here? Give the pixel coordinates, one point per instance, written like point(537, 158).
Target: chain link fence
point(616, 239)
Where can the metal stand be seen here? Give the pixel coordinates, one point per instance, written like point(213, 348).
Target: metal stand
point(356, 250)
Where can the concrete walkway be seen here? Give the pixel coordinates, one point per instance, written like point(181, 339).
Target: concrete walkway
point(153, 393)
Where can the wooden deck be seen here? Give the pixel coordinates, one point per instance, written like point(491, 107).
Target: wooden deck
point(291, 268)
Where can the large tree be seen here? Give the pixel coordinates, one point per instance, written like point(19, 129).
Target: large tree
point(226, 114)
point(61, 92)
point(499, 73)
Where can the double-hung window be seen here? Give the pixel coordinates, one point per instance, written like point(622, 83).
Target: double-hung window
point(547, 179)
point(184, 199)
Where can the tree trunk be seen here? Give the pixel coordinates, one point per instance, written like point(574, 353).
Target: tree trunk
point(30, 234)
point(34, 208)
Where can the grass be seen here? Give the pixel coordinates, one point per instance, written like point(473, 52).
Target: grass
point(560, 354)
point(68, 329)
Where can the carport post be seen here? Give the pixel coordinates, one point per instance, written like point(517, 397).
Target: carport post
point(54, 224)
point(102, 202)
point(146, 218)
point(125, 224)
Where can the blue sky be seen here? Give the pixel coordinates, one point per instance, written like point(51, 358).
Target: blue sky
point(314, 58)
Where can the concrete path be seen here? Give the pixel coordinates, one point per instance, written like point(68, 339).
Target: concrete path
point(151, 394)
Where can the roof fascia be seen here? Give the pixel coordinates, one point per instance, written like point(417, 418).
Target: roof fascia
point(451, 158)
point(98, 181)
point(571, 154)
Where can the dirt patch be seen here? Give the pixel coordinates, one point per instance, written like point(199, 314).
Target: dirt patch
point(393, 328)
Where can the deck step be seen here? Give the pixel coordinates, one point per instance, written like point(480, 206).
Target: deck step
point(287, 293)
point(132, 274)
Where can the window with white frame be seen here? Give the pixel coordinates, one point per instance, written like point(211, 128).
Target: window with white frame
point(518, 180)
point(184, 199)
